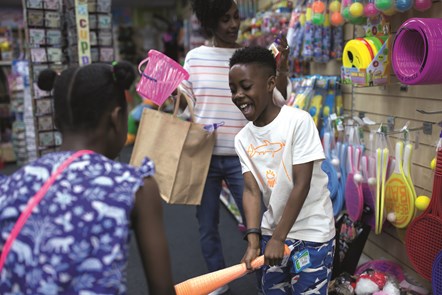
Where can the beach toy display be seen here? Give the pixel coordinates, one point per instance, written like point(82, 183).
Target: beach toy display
point(366, 61)
point(160, 77)
point(417, 51)
point(357, 54)
point(307, 48)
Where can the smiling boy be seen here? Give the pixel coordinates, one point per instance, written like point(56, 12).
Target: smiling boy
point(281, 154)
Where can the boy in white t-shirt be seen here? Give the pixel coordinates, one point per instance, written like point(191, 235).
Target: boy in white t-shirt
point(281, 154)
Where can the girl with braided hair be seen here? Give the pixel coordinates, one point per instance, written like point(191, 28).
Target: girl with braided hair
point(76, 240)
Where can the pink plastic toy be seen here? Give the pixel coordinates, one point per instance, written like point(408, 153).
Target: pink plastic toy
point(346, 3)
point(370, 10)
point(422, 5)
point(160, 78)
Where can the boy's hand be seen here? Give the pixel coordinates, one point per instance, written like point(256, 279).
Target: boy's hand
point(274, 252)
point(250, 255)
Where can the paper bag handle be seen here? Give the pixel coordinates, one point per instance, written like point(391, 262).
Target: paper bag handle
point(177, 104)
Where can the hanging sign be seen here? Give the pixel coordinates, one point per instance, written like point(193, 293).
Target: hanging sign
point(82, 19)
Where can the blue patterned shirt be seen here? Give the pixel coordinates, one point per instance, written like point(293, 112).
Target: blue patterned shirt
point(76, 240)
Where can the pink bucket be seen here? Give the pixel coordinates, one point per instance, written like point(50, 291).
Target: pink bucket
point(160, 77)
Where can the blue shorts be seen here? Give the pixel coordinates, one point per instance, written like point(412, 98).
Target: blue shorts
point(313, 279)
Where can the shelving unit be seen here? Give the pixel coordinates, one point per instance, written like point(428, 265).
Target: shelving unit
point(6, 153)
point(47, 37)
point(9, 98)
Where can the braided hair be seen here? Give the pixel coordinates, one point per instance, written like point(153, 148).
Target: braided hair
point(82, 95)
point(208, 13)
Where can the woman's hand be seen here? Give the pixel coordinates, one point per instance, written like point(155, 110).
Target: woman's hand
point(284, 50)
point(282, 65)
point(274, 252)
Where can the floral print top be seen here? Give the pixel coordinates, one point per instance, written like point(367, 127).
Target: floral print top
point(76, 239)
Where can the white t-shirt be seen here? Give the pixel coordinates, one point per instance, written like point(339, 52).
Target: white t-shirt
point(269, 152)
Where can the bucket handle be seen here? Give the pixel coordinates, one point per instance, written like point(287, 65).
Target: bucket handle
point(142, 72)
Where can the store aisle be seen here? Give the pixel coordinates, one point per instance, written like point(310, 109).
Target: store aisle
point(182, 233)
point(183, 237)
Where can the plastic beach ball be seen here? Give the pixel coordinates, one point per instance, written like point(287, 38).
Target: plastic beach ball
point(334, 6)
point(404, 5)
point(337, 19)
point(356, 9)
point(318, 19)
point(346, 13)
point(370, 10)
point(318, 7)
point(346, 3)
point(422, 5)
point(383, 5)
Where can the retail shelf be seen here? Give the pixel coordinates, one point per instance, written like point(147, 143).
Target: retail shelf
point(6, 63)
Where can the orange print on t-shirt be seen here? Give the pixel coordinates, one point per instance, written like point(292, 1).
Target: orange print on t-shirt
point(266, 148)
point(271, 178)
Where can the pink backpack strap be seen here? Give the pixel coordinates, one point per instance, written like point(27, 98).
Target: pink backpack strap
point(34, 202)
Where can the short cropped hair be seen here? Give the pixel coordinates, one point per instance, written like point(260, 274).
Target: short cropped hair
point(254, 55)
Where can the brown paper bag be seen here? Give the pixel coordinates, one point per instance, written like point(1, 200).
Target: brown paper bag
point(181, 151)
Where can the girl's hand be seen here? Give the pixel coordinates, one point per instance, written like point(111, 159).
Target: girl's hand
point(274, 252)
point(250, 255)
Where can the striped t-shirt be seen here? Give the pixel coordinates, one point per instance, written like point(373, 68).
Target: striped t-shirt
point(208, 86)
